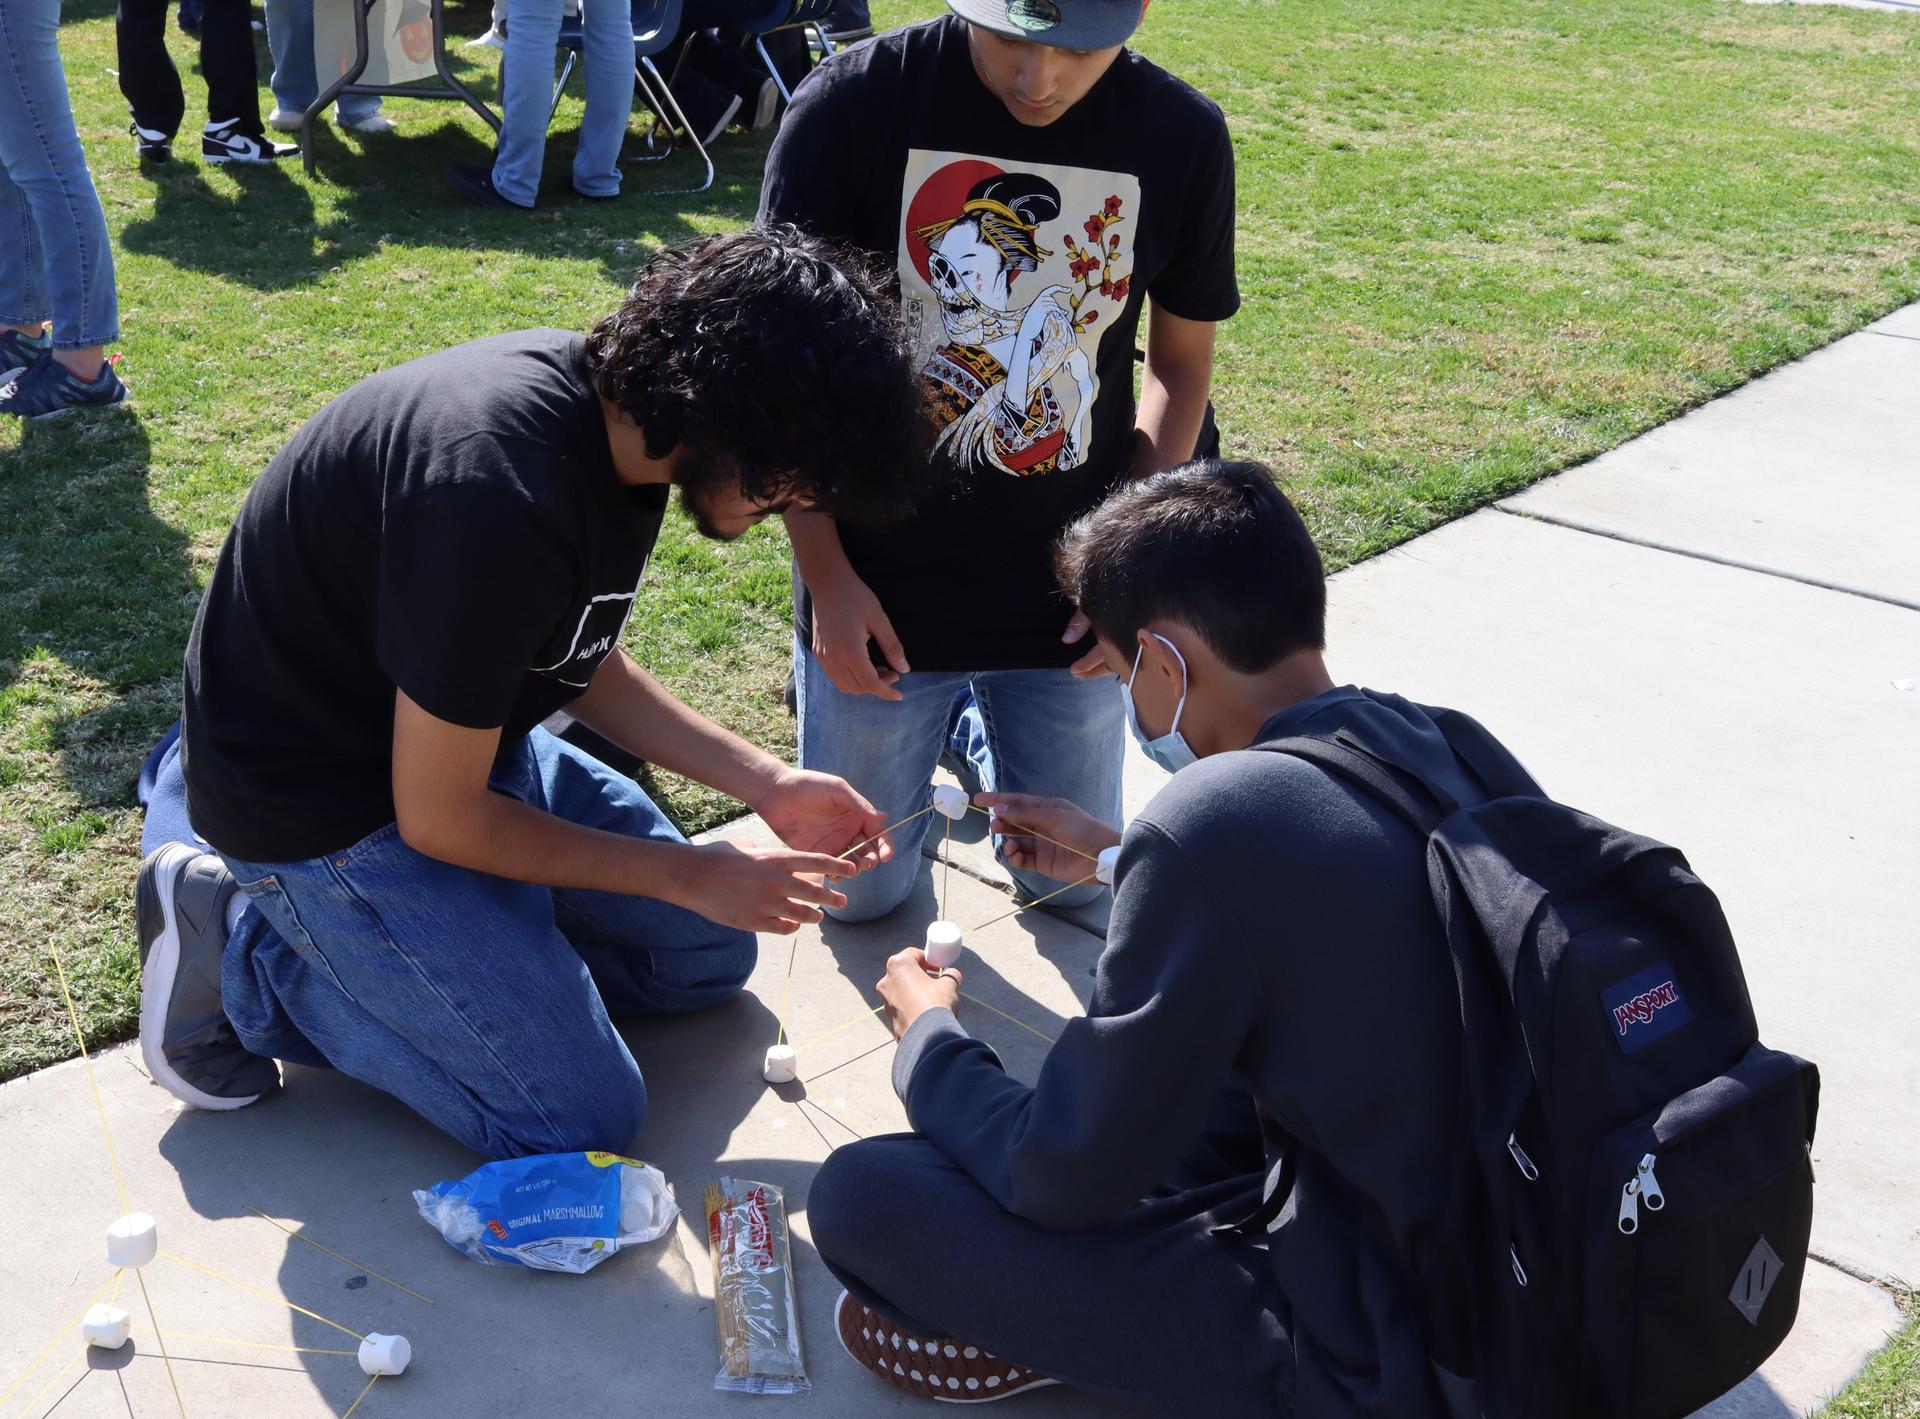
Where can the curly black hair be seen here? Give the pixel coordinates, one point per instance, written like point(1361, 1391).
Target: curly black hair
point(780, 358)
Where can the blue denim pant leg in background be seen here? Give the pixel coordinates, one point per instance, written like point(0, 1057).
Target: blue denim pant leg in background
point(608, 65)
point(55, 260)
point(1031, 731)
point(480, 1002)
point(296, 80)
point(526, 103)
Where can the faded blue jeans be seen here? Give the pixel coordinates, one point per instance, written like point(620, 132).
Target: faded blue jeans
point(296, 79)
point(55, 262)
point(1025, 731)
point(479, 1002)
point(533, 27)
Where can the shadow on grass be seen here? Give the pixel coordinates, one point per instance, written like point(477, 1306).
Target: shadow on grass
point(270, 236)
point(96, 593)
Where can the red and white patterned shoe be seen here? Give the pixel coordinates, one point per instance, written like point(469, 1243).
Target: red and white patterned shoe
point(946, 1370)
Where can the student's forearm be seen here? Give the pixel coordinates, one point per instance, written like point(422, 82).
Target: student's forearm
point(636, 712)
point(816, 547)
point(1173, 390)
point(507, 838)
point(1173, 406)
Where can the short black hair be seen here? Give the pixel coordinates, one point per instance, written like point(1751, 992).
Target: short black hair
point(781, 357)
point(1215, 546)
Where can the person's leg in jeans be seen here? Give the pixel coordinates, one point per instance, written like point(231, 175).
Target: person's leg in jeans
point(1048, 732)
point(607, 29)
point(147, 77)
point(647, 957)
point(295, 80)
point(63, 264)
point(887, 749)
point(452, 990)
point(526, 99)
point(1151, 1309)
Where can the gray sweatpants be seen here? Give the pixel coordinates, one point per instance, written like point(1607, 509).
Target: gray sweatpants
point(1153, 1310)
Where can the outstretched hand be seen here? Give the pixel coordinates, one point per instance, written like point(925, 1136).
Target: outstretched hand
point(1049, 836)
point(820, 813)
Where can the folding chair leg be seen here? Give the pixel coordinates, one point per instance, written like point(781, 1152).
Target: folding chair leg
point(560, 85)
point(660, 96)
point(656, 121)
point(773, 69)
point(820, 33)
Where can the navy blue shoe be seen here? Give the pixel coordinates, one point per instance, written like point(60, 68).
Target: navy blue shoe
point(476, 185)
point(47, 389)
point(18, 351)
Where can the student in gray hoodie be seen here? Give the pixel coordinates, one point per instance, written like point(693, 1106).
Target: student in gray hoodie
point(1235, 1188)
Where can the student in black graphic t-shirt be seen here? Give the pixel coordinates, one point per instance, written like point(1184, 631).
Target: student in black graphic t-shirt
point(1038, 189)
point(411, 881)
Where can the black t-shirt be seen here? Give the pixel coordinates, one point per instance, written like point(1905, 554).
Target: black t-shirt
point(452, 527)
point(1024, 256)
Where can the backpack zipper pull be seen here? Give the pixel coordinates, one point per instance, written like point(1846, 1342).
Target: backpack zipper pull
point(1650, 1185)
point(1630, 1206)
point(1521, 1160)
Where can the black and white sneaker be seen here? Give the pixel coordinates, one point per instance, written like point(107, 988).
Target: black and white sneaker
point(185, 1037)
point(225, 143)
point(150, 144)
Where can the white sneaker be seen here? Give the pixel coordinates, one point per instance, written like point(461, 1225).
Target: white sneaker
point(287, 120)
point(492, 39)
point(768, 107)
point(375, 122)
point(223, 143)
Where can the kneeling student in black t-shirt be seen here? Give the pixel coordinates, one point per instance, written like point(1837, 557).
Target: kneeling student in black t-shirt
point(1275, 986)
point(411, 881)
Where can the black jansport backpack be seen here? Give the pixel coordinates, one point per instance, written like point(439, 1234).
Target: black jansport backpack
point(1644, 1184)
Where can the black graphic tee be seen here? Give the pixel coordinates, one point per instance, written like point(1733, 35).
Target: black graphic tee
point(452, 527)
point(1024, 256)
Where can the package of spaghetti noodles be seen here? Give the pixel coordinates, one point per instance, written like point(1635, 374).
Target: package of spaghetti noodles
point(753, 1289)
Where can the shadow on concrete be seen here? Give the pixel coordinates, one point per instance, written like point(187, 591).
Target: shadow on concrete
point(340, 1159)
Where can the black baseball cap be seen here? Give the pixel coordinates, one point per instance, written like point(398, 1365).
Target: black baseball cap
point(1066, 24)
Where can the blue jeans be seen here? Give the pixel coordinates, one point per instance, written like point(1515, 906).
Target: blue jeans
point(533, 26)
point(55, 262)
point(479, 1002)
point(296, 79)
point(1026, 731)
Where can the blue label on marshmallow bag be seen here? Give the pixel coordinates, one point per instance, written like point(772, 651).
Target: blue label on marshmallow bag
point(1645, 1007)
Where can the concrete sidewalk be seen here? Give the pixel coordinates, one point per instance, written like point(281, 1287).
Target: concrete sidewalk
point(1744, 712)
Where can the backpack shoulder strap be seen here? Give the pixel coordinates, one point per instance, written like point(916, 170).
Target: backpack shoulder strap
point(1343, 755)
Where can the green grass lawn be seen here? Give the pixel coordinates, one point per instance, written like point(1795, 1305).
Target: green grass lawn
point(1479, 242)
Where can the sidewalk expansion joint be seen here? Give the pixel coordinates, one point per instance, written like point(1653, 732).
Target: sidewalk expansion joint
point(1895, 334)
point(1892, 1285)
point(1574, 525)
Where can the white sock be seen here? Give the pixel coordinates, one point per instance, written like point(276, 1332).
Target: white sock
point(236, 904)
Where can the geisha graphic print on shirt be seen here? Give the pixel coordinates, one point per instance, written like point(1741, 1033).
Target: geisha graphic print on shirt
point(1012, 275)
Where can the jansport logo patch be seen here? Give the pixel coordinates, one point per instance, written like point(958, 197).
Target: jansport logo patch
point(1645, 1007)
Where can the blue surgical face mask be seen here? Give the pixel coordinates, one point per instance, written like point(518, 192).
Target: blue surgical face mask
point(1171, 750)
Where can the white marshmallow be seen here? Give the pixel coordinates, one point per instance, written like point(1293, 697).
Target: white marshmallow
point(132, 1241)
point(950, 800)
point(385, 1355)
point(781, 1066)
point(943, 944)
point(106, 1326)
point(1107, 864)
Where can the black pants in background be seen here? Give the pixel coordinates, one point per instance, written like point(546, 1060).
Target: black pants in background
point(152, 84)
